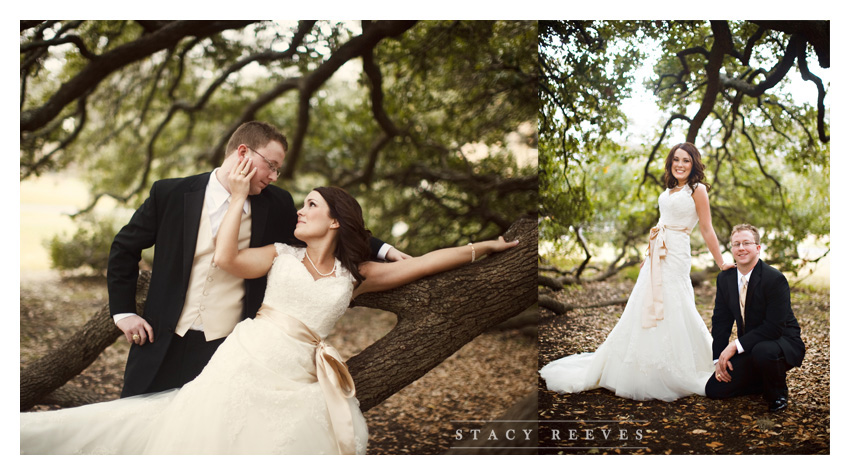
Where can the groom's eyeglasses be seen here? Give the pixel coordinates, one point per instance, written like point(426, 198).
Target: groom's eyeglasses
point(742, 244)
point(271, 165)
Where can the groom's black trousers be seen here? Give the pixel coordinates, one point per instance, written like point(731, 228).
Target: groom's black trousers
point(760, 371)
point(185, 359)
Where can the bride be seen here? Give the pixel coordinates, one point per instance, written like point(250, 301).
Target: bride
point(274, 386)
point(660, 348)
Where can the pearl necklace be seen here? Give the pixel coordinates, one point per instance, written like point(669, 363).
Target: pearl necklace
point(316, 268)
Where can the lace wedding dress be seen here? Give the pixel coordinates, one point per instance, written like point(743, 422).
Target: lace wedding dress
point(660, 348)
point(273, 387)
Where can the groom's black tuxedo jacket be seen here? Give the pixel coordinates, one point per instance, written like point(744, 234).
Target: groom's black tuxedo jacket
point(768, 313)
point(169, 220)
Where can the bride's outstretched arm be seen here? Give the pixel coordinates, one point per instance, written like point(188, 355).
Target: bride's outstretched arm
point(708, 235)
point(249, 263)
point(389, 275)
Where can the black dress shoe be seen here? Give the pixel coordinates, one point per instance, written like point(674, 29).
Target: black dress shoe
point(777, 405)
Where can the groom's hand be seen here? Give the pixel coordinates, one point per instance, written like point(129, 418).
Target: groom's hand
point(135, 325)
point(395, 255)
point(723, 366)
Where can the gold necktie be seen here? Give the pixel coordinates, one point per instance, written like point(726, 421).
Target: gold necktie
point(742, 296)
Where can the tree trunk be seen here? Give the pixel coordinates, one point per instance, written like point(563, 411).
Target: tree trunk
point(556, 306)
point(525, 321)
point(53, 370)
point(436, 317)
point(71, 396)
point(439, 314)
point(550, 282)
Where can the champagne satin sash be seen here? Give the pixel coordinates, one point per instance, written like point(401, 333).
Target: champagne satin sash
point(657, 250)
point(332, 373)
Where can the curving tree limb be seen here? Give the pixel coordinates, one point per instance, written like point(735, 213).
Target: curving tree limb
point(308, 85)
point(436, 318)
point(113, 60)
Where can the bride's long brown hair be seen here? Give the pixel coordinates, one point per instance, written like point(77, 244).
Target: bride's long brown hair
point(352, 245)
point(697, 175)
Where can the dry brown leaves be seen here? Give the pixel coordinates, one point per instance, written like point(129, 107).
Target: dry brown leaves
point(479, 382)
point(691, 425)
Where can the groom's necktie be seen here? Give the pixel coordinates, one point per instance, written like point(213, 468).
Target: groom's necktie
point(742, 295)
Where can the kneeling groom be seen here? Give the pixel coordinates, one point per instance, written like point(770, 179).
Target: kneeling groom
point(755, 297)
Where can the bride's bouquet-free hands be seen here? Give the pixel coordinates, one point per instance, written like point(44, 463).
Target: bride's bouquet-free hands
point(493, 246)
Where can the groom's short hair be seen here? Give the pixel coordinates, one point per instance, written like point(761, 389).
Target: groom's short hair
point(255, 134)
point(745, 227)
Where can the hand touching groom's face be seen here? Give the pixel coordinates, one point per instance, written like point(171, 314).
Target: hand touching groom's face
point(268, 160)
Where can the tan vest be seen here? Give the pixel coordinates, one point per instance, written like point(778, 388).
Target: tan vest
point(214, 297)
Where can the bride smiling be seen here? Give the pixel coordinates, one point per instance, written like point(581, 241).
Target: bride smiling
point(660, 348)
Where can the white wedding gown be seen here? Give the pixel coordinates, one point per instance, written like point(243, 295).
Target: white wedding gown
point(667, 361)
point(259, 394)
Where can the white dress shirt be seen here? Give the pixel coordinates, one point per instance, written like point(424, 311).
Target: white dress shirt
point(216, 202)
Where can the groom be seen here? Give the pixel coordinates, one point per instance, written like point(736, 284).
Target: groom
point(757, 299)
point(191, 305)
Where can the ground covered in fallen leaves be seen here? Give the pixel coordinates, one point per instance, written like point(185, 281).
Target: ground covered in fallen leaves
point(479, 382)
point(605, 423)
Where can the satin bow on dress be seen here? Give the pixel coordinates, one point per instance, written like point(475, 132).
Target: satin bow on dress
point(656, 251)
point(331, 371)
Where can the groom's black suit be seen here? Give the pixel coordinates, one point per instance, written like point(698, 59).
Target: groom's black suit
point(169, 220)
point(768, 332)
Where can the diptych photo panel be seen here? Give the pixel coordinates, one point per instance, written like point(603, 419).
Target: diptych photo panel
point(424, 237)
point(684, 237)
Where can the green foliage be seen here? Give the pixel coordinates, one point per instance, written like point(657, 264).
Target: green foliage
point(587, 73)
point(88, 247)
point(460, 93)
point(631, 272)
point(763, 156)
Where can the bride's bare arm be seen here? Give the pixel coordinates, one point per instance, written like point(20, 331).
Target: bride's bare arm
point(704, 213)
point(249, 263)
point(389, 275)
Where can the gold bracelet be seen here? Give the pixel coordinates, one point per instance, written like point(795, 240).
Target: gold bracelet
point(473, 251)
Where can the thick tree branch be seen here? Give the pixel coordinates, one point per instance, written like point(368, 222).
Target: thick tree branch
point(469, 180)
point(721, 47)
point(435, 319)
point(751, 43)
point(816, 33)
point(53, 370)
point(217, 154)
point(76, 40)
point(560, 308)
point(27, 24)
point(81, 116)
point(808, 76)
point(98, 69)
point(795, 43)
point(587, 256)
point(388, 128)
point(308, 85)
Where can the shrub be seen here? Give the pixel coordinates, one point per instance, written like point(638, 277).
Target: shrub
point(87, 248)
